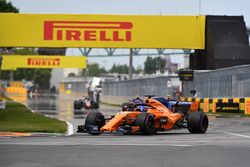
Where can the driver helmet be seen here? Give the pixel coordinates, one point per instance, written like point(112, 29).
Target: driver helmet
point(143, 108)
point(169, 97)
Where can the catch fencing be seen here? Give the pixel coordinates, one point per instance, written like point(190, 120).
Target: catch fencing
point(118, 92)
point(228, 82)
point(139, 87)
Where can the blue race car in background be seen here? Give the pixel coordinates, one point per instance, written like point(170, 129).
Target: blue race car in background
point(174, 105)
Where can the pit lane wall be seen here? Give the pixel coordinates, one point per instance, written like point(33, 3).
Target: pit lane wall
point(118, 92)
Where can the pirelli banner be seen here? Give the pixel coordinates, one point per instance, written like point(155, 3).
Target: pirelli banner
point(12, 62)
point(100, 31)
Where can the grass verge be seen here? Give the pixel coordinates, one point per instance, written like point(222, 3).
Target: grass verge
point(18, 118)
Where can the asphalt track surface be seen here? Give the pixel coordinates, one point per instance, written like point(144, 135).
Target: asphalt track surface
point(226, 144)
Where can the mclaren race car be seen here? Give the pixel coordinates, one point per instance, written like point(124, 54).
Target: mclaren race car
point(148, 117)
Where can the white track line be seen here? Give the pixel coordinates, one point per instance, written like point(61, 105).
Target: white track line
point(142, 144)
point(70, 129)
point(236, 134)
point(92, 144)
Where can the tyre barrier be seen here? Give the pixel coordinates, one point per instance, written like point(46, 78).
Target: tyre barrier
point(18, 84)
point(17, 90)
point(224, 105)
point(16, 93)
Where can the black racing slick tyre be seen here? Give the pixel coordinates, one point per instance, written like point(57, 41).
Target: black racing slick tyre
point(197, 122)
point(77, 105)
point(146, 122)
point(95, 119)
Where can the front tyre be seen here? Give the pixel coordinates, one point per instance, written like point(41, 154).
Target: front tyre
point(197, 122)
point(94, 120)
point(146, 122)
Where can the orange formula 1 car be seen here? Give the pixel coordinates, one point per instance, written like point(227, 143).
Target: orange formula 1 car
point(148, 117)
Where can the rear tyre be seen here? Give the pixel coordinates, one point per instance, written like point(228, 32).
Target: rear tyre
point(197, 122)
point(146, 122)
point(77, 105)
point(94, 105)
point(95, 119)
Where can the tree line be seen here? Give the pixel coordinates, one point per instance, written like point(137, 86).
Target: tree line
point(151, 66)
